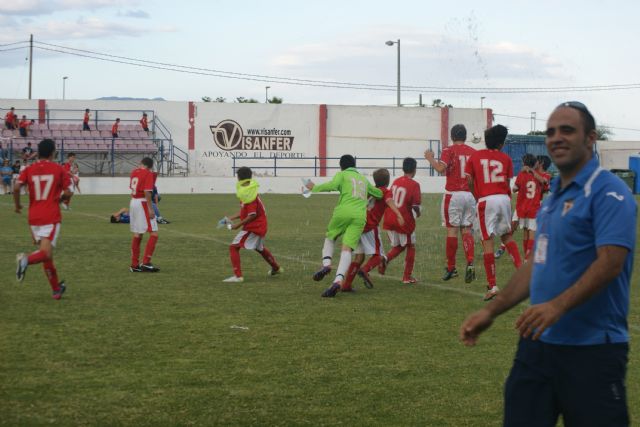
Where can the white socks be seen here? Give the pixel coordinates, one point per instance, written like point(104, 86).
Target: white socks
point(343, 266)
point(327, 252)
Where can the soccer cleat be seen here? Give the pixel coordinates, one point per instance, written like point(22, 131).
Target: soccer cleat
point(22, 262)
point(135, 269)
point(58, 294)
point(365, 277)
point(410, 281)
point(382, 267)
point(161, 220)
point(319, 275)
point(64, 206)
point(346, 289)
point(273, 272)
point(149, 268)
point(470, 273)
point(449, 274)
point(491, 293)
point(234, 279)
point(332, 291)
point(499, 253)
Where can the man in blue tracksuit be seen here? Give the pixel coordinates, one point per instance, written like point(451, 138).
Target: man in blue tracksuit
point(572, 355)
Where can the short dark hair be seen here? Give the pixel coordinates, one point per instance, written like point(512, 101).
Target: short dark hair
point(409, 165)
point(87, 110)
point(458, 133)
point(148, 162)
point(529, 160)
point(46, 148)
point(587, 118)
point(71, 154)
point(347, 161)
point(545, 161)
point(244, 173)
point(381, 177)
point(113, 219)
point(495, 136)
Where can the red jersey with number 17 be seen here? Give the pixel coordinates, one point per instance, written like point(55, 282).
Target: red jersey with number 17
point(529, 195)
point(406, 194)
point(46, 181)
point(141, 180)
point(491, 171)
point(376, 209)
point(456, 157)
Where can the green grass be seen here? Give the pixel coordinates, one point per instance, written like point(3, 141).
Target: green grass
point(164, 349)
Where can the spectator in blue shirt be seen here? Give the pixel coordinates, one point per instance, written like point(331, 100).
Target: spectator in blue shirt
point(572, 355)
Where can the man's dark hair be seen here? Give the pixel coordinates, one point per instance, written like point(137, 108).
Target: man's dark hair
point(459, 133)
point(381, 177)
point(244, 173)
point(46, 147)
point(114, 219)
point(495, 136)
point(409, 165)
point(71, 155)
point(148, 162)
point(587, 118)
point(529, 160)
point(545, 161)
point(347, 161)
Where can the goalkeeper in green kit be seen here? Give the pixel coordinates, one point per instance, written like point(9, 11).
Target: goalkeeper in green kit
point(348, 220)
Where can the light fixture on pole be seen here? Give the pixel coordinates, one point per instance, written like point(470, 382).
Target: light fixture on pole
point(391, 43)
point(64, 83)
point(481, 99)
point(533, 121)
point(266, 94)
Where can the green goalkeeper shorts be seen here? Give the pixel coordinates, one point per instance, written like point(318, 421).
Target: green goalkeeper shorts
point(348, 227)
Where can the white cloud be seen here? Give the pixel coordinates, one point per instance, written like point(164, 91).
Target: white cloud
point(138, 13)
point(48, 7)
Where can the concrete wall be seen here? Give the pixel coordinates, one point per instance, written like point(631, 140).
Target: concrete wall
point(615, 154)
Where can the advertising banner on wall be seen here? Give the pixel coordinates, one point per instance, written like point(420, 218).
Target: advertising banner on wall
point(273, 140)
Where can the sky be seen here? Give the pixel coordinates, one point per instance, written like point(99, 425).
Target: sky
point(456, 51)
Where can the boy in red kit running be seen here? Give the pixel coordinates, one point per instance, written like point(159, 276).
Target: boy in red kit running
point(370, 243)
point(489, 172)
point(458, 204)
point(142, 218)
point(46, 181)
point(253, 220)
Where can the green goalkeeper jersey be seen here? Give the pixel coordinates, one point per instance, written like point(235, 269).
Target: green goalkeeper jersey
point(354, 189)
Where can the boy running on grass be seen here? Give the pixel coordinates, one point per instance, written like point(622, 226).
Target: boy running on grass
point(348, 220)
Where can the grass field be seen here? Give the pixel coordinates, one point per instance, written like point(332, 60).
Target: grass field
point(181, 348)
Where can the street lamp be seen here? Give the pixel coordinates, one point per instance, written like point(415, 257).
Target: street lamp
point(391, 43)
point(266, 94)
point(64, 82)
point(481, 99)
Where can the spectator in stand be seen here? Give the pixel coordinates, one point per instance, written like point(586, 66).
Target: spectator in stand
point(6, 172)
point(10, 119)
point(114, 128)
point(28, 153)
point(3, 153)
point(23, 126)
point(144, 123)
point(85, 120)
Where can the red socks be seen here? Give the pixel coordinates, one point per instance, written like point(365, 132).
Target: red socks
point(234, 252)
point(452, 248)
point(269, 258)
point(468, 244)
point(490, 269)
point(148, 250)
point(37, 257)
point(351, 274)
point(409, 260)
point(135, 250)
point(512, 248)
point(372, 263)
point(52, 274)
point(394, 252)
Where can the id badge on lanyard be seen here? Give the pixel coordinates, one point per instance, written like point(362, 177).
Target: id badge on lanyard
point(540, 255)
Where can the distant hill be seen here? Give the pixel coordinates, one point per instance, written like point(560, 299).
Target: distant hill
point(126, 98)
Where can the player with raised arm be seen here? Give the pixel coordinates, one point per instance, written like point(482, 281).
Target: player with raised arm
point(253, 221)
point(370, 243)
point(46, 181)
point(489, 172)
point(142, 218)
point(348, 220)
point(458, 204)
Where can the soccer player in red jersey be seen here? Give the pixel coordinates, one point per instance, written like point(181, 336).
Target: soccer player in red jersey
point(69, 167)
point(489, 172)
point(142, 218)
point(370, 243)
point(114, 128)
point(458, 204)
point(46, 181)
point(529, 186)
point(253, 221)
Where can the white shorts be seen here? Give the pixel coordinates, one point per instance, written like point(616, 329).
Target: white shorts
point(370, 243)
point(494, 215)
point(458, 209)
point(401, 239)
point(248, 240)
point(140, 222)
point(529, 223)
point(49, 231)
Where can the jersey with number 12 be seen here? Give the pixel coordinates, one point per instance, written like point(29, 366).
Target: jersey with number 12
point(491, 171)
point(141, 180)
point(46, 181)
point(406, 195)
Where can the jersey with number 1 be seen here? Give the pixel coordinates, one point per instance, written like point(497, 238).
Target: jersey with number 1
point(141, 180)
point(491, 171)
point(406, 195)
point(46, 181)
point(529, 195)
point(456, 157)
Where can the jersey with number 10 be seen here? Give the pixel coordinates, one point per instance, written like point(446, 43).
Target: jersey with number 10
point(46, 181)
point(491, 171)
point(141, 180)
point(406, 194)
point(353, 188)
point(455, 157)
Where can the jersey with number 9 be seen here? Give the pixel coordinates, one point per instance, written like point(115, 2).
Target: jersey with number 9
point(491, 171)
point(141, 180)
point(46, 181)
